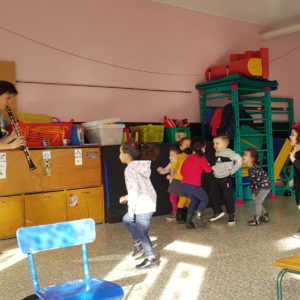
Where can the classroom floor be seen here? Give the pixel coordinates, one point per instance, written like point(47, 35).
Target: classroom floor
point(220, 262)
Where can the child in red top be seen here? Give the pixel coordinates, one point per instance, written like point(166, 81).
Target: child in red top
point(191, 171)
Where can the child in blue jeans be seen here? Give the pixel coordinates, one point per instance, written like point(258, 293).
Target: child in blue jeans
point(191, 183)
point(141, 198)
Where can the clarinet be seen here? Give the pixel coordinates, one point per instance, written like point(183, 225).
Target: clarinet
point(24, 147)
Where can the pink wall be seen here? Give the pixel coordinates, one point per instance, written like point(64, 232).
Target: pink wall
point(138, 34)
point(285, 67)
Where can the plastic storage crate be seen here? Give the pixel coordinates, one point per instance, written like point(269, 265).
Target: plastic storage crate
point(104, 134)
point(175, 134)
point(149, 133)
point(36, 133)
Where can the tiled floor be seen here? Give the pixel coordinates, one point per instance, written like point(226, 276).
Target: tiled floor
point(220, 262)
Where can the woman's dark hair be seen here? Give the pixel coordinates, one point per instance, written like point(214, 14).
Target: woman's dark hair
point(297, 130)
point(140, 151)
point(197, 144)
point(187, 150)
point(254, 156)
point(175, 148)
point(7, 87)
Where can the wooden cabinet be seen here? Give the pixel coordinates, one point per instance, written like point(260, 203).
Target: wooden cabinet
point(85, 202)
point(96, 204)
point(45, 208)
point(77, 204)
point(11, 215)
point(64, 173)
point(62, 187)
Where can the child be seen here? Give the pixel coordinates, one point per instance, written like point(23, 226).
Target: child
point(171, 170)
point(260, 186)
point(191, 171)
point(227, 163)
point(183, 203)
point(175, 187)
point(141, 198)
point(295, 159)
point(12, 141)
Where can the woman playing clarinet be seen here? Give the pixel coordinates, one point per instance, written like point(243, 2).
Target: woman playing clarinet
point(12, 141)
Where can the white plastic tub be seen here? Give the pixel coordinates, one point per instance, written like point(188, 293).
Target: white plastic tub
point(103, 134)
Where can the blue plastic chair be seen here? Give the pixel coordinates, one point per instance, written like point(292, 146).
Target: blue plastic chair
point(60, 235)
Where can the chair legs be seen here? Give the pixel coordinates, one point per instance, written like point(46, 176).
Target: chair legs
point(279, 281)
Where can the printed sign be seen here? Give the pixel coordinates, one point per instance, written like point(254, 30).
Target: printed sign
point(46, 154)
point(3, 157)
point(78, 157)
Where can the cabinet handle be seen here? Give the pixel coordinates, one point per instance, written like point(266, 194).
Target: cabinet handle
point(85, 193)
point(45, 197)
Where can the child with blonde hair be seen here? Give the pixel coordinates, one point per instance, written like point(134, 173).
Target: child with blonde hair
point(175, 177)
point(170, 169)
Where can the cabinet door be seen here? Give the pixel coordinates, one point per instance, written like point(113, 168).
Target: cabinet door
point(11, 215)
point(96, 204)
point(65, 170)
point(45, 208)
point(70, 172)
point(77, 204)
point(86, 203)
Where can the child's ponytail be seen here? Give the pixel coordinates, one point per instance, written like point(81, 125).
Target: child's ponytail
point(197, 145)
point(148, 152)
point(140, 151)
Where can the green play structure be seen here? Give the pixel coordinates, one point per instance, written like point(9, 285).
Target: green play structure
point(287, 171)
point(253, 95)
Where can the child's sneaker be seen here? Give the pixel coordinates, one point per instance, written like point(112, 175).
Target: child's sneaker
point(217, 216)
point(231, 219)
point(265, 218)
point(137, 249)
point(171, 217)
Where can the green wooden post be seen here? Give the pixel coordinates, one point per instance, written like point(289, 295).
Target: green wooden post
point(237, 141)
point(291, 113)
point(202, 99)
point(269, 139)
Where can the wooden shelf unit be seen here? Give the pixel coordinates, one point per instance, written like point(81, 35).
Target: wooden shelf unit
point(70, 191)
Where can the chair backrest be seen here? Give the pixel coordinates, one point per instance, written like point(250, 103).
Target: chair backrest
point(58, 235)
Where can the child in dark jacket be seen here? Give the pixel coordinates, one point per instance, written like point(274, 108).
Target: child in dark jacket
point(295, 159)
point(260, 186)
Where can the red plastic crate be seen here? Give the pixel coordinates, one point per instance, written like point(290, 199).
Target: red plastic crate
point(36, 133)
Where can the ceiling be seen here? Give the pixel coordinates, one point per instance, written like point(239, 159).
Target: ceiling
point(279, 14)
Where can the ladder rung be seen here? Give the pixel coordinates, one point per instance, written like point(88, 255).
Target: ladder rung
point(253, 119)
point(252, 134)
point(258, 102)
point(280, 130)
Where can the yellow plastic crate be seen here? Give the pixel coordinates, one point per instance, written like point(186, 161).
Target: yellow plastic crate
point(148, 133)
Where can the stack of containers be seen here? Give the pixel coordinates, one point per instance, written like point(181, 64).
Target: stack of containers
point(104, 132)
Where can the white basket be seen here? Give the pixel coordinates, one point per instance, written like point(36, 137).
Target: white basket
point(101, 122)
point(104, 134)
